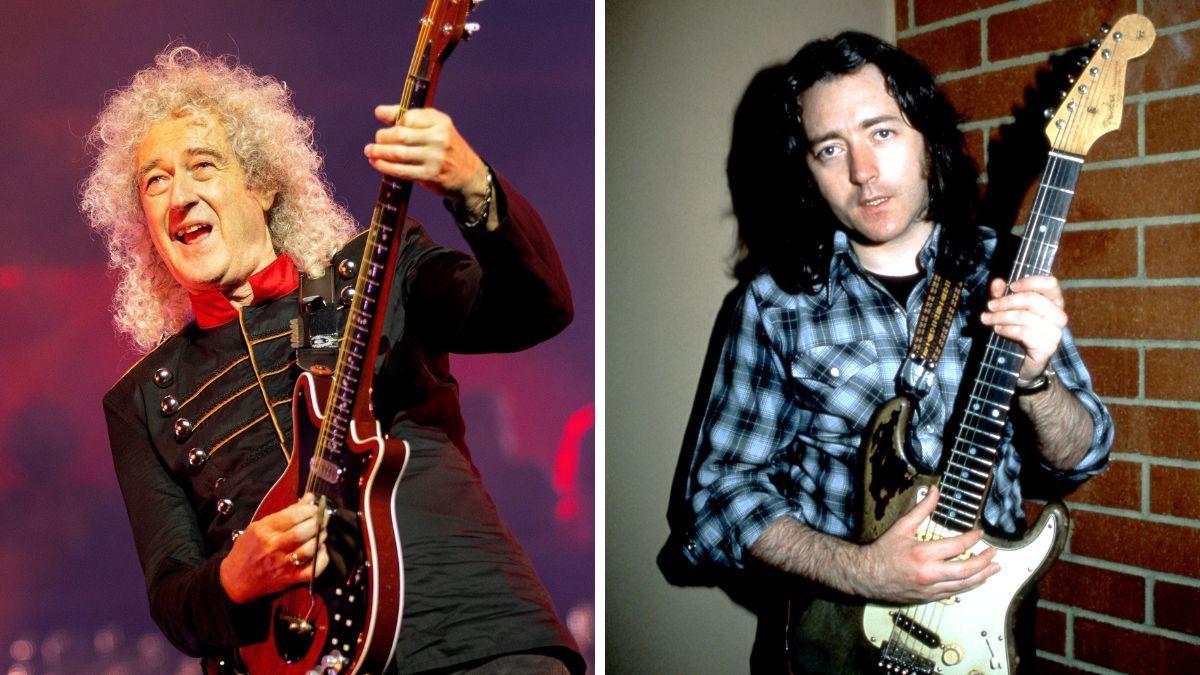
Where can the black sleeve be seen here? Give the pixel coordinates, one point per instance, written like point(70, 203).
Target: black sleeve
point(183, 583)
point(510, 295)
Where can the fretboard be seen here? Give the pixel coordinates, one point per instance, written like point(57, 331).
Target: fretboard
point(967, 475)
point(364, 324)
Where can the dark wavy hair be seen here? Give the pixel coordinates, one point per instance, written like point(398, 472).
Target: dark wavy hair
point(784, 224)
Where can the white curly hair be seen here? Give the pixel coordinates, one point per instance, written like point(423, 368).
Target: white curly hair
point(273, 143)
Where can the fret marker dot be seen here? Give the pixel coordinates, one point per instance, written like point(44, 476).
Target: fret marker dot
point(1042, 229)
point(1001, 360)
point(995, 413)
point(975, 407)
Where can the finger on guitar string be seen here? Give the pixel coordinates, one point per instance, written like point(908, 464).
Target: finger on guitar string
point(1032, 315)
point(387, 113)
point(307, 571)
point(1042, 285)
point(303, 527)
point(420, 147)
point(259, 563)
point(963, 573)
point(913, 562)
point(414, 117)
point(955, 586)
point(309, 546)
point(425, 146)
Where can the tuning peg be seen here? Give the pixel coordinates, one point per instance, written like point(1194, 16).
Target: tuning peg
point(469, 30)
point(1048, 113)
point(1062, 95)
point(1104, 28)
point(1083, 61)
point(1070, 79)
point(1094, 44)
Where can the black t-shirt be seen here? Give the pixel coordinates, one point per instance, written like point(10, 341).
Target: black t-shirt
point(899, 287)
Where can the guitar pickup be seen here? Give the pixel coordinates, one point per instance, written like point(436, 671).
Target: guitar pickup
point(326, 470)
point(900, 660)
point(921, 633)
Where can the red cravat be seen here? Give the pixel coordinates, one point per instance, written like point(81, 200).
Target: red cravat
point(276, 280)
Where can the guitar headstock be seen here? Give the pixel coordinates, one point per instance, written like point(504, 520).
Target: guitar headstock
point(447, 24)
point(1094, 104)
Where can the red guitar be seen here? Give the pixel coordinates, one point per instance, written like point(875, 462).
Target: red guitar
point(348, 619)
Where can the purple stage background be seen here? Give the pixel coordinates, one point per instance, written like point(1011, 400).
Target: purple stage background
point(71, 593)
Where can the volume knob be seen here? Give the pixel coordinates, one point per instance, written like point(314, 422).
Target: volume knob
point(952, 655)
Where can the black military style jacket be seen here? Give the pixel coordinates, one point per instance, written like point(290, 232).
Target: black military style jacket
point(201, 428)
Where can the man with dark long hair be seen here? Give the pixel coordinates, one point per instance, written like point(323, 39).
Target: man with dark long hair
point(850, 189)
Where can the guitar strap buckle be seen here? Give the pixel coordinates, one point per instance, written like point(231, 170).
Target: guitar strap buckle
point(315, 329)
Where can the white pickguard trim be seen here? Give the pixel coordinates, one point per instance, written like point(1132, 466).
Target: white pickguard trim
point(973, 622)
point(376, 438)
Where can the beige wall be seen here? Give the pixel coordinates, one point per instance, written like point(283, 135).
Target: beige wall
point(675, 71)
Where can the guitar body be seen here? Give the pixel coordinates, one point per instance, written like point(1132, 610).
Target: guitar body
point(887, 481)
point(970, 632)
point(348, 619)
point(967, 633)
point(353, 615)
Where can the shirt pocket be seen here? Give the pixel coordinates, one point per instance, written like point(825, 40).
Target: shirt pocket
point(839, 385)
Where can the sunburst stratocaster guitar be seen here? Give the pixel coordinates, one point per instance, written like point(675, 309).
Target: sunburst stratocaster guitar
point(348, 619)
point(971, 633)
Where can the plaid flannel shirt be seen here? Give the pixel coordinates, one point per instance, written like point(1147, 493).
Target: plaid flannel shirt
point(798, 379)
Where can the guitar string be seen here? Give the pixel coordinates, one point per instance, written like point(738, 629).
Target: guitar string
point(1032, 259)
point(293, 602)
point(932, 614)
point(1047, 229)
point(355, 315)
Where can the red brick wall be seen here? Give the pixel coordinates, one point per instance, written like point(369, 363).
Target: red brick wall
point(1126, 594)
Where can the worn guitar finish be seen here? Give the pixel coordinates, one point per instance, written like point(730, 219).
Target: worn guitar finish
point(348, 620)
point(971, 633)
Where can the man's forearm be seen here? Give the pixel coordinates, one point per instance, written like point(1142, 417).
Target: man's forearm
point(1062, 425)
point(793, 547)
point(896, 567)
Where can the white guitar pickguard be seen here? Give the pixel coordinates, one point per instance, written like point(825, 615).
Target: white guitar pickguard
point(971, 627)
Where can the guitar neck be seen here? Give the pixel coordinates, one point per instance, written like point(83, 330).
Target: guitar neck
point(968, 474)
point(441, 28)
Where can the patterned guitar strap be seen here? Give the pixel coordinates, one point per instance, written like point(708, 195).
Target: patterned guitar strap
point(933, 327)
point(887, 463)
point(815, 636)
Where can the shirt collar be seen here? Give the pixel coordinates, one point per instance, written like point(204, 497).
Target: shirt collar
point(844, 261)
point(274, 281)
